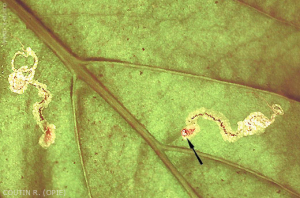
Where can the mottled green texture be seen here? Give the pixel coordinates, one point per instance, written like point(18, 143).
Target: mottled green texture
point(179, 57)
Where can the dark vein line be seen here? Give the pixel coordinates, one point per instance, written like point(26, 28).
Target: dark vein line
point(268, 15)
point(70, 59)
point(223, 161)
point(77, 67)
point(191, 75)
point(77, 135)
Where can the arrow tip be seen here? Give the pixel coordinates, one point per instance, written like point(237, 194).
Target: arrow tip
point(190, 144)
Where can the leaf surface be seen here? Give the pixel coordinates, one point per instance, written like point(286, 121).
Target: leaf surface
point(124, 77)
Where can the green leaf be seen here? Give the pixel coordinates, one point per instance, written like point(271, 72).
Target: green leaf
point(125, 75)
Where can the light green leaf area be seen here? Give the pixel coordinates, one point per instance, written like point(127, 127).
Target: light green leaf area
point(124, 77)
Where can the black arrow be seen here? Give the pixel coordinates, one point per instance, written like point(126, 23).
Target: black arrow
point(192, 147)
